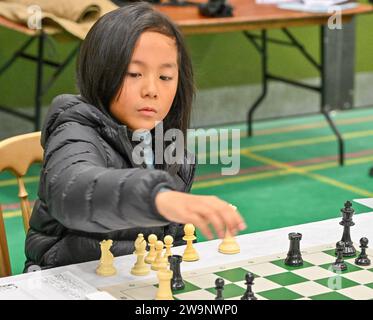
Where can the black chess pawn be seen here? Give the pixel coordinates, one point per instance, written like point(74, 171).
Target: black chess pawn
point(294, 256)
point(177, 282)
point(362, 259)
point(339, 264)
point(347, 213)
point(219, 286)
point(249, 295)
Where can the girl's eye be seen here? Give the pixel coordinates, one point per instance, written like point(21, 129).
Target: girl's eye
point(165, 78)
point(134, 74)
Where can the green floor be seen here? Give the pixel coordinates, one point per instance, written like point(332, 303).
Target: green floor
point(289, 175)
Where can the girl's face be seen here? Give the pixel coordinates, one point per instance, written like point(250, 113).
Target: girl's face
point(150, 85)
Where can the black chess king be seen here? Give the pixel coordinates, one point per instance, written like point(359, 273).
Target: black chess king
point(347, 213)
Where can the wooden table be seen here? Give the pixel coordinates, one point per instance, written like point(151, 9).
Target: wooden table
point(251, 16)
point(248, 15)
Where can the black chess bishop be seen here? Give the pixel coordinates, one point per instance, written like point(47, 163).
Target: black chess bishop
point(177, 282)
point(219, 286)
point(294, 256)
point(362, 259)
point(347, 213)
point(339, 264)
point(249, 294)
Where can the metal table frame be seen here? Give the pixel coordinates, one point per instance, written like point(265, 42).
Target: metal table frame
point(41, 87)
point(261, 44)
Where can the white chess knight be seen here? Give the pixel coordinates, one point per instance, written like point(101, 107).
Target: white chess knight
point(106, 267)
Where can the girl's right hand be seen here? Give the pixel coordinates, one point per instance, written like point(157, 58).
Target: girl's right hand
point(201, 211)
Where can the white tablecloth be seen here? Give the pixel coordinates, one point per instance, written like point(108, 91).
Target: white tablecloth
point(35, 286)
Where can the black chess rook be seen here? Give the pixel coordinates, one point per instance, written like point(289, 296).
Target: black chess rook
point(347, 213)
point(294, 256)
point(177, 282)
point(362, 259)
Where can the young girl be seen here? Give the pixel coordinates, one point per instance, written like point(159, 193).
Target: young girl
point(133, 74)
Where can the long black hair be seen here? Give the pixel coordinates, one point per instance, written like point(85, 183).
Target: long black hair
point(107, 50)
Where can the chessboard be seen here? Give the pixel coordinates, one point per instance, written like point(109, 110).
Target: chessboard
point(314, 280)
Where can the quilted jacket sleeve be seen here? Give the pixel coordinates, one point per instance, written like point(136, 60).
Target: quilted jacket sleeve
point(83, 194)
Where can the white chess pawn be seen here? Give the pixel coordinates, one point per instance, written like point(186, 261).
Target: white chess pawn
point(106, 267)
point(159, 262)
point(168, 243)
point(140, 268)
point(190, 254)
point(229, 244)
point(152, 239)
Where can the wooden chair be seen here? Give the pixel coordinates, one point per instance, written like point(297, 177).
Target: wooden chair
point(16, 155)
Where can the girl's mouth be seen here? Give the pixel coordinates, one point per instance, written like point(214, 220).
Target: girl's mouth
point(147, 111)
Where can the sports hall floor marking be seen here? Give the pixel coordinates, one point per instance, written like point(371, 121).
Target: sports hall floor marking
point(263, 147)
point(298, 127)
point(310, 126)
point(12, 214)
point(287, 144)
point(12, 182)
point(354, 158)
point(283, 170)
point(315, 176)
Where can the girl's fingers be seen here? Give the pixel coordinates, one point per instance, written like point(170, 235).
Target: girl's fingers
point(201, 225)
point(206, 211)
point(227, 214)
point(215, 220)
point(241, 225)
point(211, 215)
point(230, 216)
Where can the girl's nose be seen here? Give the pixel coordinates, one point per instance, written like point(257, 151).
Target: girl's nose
point(150, 89)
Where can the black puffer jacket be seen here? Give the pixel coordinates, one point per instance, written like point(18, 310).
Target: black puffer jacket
point(90, 188)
